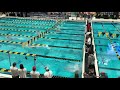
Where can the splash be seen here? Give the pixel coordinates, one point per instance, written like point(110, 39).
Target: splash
point(110, 49)
point(74, 68)
point(105, 61)
point(20, 38)
point(46, 46)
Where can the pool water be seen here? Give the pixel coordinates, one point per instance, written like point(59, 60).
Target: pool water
point(62, 52)
point(106, 55)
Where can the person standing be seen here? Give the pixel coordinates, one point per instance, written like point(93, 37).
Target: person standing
point(48, 73)
point(88, 41)
point(76, 74)
point(34, 73)
point(89, 27)
point(14, 71)
point(22, 71)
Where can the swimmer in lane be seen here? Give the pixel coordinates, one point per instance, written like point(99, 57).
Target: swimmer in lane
point(101, 49)
point(9, 37)
point(103, 61)
point(38, 32)
point(26, 57)
point(99, 41)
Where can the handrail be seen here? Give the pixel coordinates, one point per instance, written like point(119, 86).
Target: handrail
point(83, 64)
point(93, 43)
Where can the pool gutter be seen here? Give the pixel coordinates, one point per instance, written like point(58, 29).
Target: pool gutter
point(96, 61)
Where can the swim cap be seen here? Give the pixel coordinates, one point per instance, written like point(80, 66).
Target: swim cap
point(34, 68)
point(46, 68)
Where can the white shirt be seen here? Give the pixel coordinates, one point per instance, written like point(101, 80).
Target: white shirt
point(88, 33)
point(34, 74)
point(48, 74)
point(14, 71)
point(89, 41)
point(22, 73)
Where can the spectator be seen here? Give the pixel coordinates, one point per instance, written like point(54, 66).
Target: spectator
point(89, 27)
point(22, 71)
point(34, 73)
point(92, 73)
point(48, 73)
point(87, 33)
point(76, 74)
point(14, 71)
point(103, 75)
point(86, 75)
point(91, 59)
point(88, 41)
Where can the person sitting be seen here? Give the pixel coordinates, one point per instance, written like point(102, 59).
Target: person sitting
point(86, 75)
point(34, 73)
point(91, 58)
point(48, 73)
point(14, 71)
point(91, 73)
point(22, 71)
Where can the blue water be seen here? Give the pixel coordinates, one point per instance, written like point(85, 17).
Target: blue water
point(108, 61)
point(69, 34)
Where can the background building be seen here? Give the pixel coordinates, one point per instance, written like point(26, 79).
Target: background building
point(107, 15)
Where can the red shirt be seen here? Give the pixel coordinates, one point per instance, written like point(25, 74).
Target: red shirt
point(88, 26)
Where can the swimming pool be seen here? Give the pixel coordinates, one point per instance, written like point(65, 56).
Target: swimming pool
point(107, 48)
point(60, 49)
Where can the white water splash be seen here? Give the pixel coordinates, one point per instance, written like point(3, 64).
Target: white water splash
point(105, 61)
point(110, 49)
point(46, 46)
point(20, 38)
point(74, 68)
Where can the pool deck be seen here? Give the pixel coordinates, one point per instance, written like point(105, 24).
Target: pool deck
point(5, 76)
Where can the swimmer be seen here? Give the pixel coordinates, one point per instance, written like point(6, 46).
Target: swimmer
point(101, 49)
point(47, 46)
point(9, 37)
point(57, 30)
point(19, 38)
point(99, 41)
point(32, 46)
point(103, 61)
point(38, 32)
point(26, 57)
